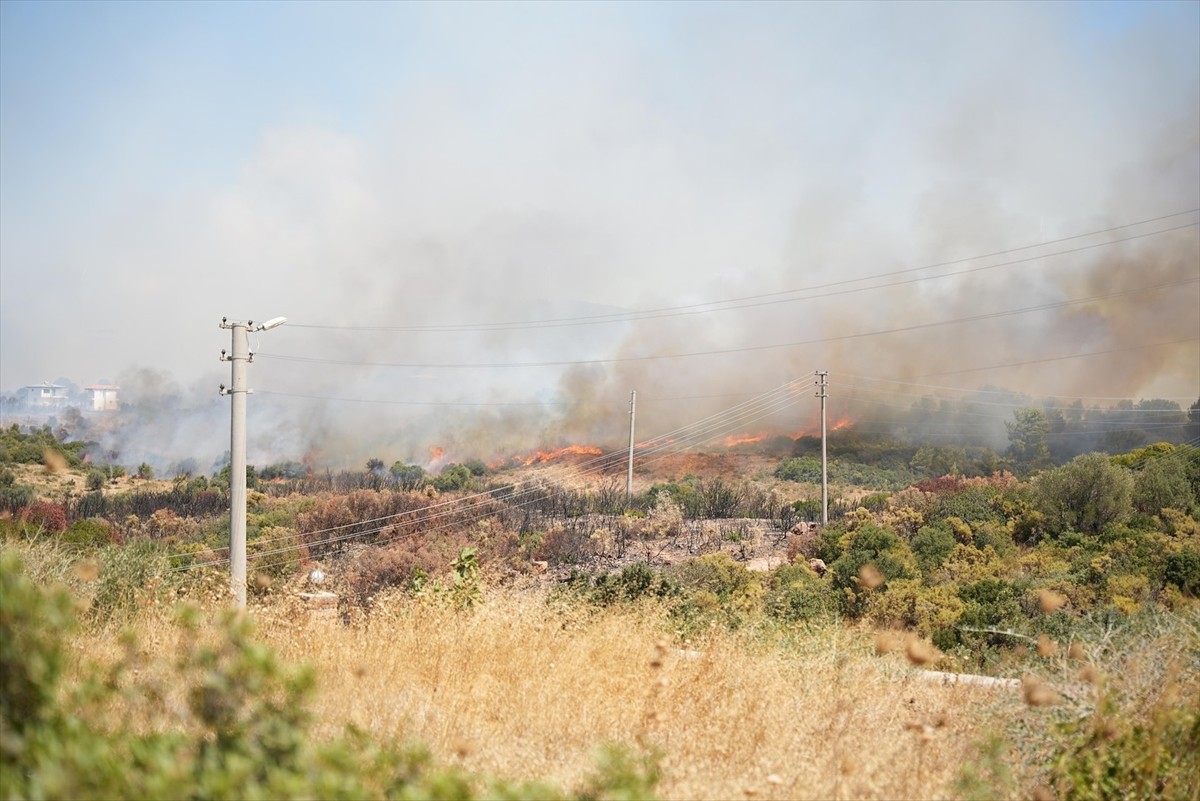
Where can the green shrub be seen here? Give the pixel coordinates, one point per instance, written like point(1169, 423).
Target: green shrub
point(1183, 570)
point(717, 573)
point(1163, 483)
point(126, 572)
point(14, 497)
point(635, 582)
point(874, 545)
point(95, 480)
point(932, 611)
point(1107, 756)
point(991, 604)
point(796, 594)
point(876, 502)
point(87, 535)
point(1085, 495)
point(995, 535)
point(453, 477)
point(971, 504)
point(932, 544)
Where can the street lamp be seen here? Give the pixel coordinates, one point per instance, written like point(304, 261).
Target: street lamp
point(239, 356)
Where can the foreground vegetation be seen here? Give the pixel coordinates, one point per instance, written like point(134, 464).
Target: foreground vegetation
point(534, 695)
point(505, 637)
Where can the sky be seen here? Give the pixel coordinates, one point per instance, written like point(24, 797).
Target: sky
point(366, 166)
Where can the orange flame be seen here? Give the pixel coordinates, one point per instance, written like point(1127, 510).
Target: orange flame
point(839, 424)
point(436, 453)
point(743, 439)
point(541, 457)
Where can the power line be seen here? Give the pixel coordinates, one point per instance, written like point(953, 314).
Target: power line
point(724, 351)
point(982, 391)
point(856, 387)
point(765, 405)
point(1059, 358)
point(408, 402)
point(768, 298)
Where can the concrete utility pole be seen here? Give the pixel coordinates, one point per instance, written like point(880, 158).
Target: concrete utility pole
point(822, 383)
point(239, 356)
point(629, 475)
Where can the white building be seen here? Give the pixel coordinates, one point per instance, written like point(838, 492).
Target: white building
point(102, 397)
point(43, 396)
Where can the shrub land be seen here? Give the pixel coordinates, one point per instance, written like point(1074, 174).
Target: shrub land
point(500, 635)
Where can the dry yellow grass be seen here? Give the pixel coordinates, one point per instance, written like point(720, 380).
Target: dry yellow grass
point(519, 688)
point(522, 688)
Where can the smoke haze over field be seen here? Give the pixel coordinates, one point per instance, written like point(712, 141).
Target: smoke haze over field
point(418, 165)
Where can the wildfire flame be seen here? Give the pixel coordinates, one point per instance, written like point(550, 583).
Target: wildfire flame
point(541, 457)
point(743, 439)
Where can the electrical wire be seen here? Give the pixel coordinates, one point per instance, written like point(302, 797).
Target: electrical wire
point(764, 406)
point(745, 349)
point(752, 301)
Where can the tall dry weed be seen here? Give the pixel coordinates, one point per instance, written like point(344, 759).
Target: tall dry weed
point(521, 688)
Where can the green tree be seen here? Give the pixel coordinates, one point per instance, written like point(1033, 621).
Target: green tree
point(1163, 483)
point(453, 477)
point(1085, 495)
point(408, 476)
point(1027, 444)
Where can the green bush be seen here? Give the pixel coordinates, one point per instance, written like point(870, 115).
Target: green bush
point(1183, 570)
point(87, 535)
point(970, 504)
point(14, 496)
point(992, 604)
point(995, 535)
point(126, 572)
point(795, 594)
point(453, 477)
point(1107, 756)
point(635, 582)
point(717, 573)
point(1085, 495)
point(95, 480)
point(1163, 483)
point(932, 544)
point(869, 545)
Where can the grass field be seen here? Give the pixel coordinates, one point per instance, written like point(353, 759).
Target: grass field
point(527, 687)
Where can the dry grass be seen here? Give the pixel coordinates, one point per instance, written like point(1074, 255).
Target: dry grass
point(524, 688)
point(521, 688)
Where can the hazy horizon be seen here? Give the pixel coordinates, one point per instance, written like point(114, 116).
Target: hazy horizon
point(710, 180)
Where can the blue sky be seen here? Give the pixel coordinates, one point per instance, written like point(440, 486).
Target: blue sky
point(165, 164)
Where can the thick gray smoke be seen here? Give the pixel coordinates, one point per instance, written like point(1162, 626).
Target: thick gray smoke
point(537, 163)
